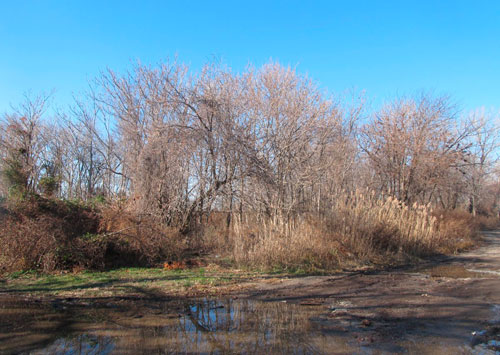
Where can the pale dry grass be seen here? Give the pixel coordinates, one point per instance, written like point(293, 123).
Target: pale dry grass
point(373, 224)
point(298, 243)
point(360, 226)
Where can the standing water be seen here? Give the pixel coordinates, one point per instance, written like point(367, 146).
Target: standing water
point(199, 326)
point(194, 326)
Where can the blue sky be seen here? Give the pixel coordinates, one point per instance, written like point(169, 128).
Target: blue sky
point(386, 48)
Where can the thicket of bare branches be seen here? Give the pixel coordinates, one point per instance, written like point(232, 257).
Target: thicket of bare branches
point(266, 141)
point(265, 147)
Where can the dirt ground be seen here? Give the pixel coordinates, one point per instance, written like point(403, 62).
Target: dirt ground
point(442, 304)
point(447, 306)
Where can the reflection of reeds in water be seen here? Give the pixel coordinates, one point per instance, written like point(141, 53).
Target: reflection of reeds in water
point(228, 327)
point(80, 344)
point(204, 326)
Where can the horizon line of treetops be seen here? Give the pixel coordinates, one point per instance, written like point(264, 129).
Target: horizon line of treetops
point(179, 145)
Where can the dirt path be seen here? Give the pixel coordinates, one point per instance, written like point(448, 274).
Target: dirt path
point(452, 305)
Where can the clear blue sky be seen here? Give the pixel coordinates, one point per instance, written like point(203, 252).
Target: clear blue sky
point(384, 47)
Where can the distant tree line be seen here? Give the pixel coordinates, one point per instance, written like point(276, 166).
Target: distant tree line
point(179, 145)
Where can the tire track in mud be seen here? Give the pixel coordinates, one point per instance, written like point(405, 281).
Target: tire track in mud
point(451, 305)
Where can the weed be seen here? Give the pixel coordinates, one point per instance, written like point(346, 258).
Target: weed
point(360, 227)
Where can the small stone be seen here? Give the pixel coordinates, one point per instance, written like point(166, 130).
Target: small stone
point(366, 322)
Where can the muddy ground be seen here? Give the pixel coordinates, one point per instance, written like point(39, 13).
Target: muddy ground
point(447, 302)
point(447, 306)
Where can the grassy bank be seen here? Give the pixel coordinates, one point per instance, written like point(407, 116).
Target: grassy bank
point(129, 282)
point(53, 236)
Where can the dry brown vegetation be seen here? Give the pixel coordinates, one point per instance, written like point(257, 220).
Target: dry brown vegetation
point(53, 235)
point(261, 168)
point(359, 228)
point(48, 235)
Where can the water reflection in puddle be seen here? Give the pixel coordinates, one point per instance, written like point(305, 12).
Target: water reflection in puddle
point(80, 344)
point(204, 326)
point(451, 271)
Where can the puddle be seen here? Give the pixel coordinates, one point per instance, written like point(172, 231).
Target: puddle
point(487, 340)
point(451, 271)
point(488, 272)
point(202, 326)
point(495, 314)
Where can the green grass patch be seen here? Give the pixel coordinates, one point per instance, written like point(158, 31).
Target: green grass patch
point(120, 282)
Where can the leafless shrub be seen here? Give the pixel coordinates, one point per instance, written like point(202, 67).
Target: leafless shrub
point(50, 235)
point(40, 234)
point(138, 240)
point(361, 226)
point(260, 165)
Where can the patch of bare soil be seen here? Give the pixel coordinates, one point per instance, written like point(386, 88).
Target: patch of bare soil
point(453, 305)
point(448, 306)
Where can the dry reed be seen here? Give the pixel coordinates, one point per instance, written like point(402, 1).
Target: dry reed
point(359, 226)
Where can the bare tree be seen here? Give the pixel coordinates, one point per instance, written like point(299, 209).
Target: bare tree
point(482, 155)
point(23, 144)
point(412, 146)
point(265, 142)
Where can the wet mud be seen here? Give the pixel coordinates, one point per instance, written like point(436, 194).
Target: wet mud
point(449, 307)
